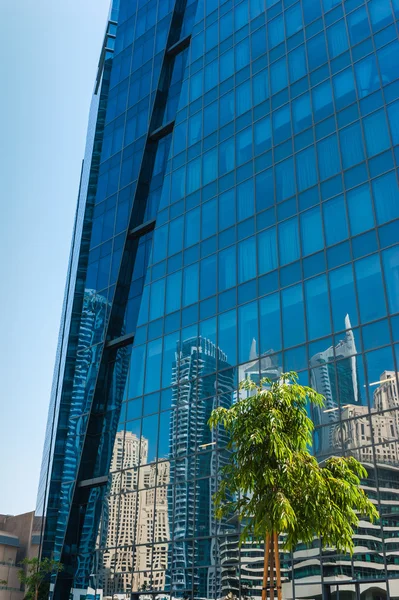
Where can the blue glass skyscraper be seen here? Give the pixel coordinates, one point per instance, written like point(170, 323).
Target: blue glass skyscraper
point(238, 216)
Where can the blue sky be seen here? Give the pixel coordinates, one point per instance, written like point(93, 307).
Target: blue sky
point(47, 70)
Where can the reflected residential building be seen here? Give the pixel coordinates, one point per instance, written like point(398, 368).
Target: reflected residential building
point(359, 432)
point(193, 470)
point(346, 424)
point(137, 513)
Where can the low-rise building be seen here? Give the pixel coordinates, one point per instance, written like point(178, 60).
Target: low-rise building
point(19, 539)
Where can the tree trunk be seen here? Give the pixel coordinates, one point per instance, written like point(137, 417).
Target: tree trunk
point(272, 568)
point(278, 570)
point(271, 561)
point(266, 567)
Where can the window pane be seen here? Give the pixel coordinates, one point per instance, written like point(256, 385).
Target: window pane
point(267, 251)
point(227, 268)
point(376, 133)
point(270, 317)
point(393, 116)
point(337, 39)
point(360, 209)
point(390, 260)
point(246, 260)
point(370, 288)
point(335, 225)
point(288, 241)
point(293, 316)
point(317, 307)
point(386, 197)
point(311, 231)
point(351, 145)
point(306, 168)
point(343, 298)
point(247, 330)
point(227, 335)
point(367, 78)
point(328, 157)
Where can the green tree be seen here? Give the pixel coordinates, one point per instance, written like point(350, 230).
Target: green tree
point(34, 575)
point(3, 582)
point(273, 483)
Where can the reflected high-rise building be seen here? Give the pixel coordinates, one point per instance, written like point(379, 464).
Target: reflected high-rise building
point(136, 513)
point(196, 392)
point(334, 375)
point(346, 424)
point(240, 183)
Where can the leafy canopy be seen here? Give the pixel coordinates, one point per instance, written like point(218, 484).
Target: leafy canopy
point(35, 573)
point(273, 483)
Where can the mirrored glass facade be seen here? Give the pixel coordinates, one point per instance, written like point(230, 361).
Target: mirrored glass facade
point(238, 217)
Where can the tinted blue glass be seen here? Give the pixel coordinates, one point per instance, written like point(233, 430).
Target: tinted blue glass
point(344, 88)
point(328, 157)
point(284, 124)
point(297, 67)
point(343, 297)
point(376, 133)
point(352, 151)
point(267, 251)
point(247, 329)
point(190, 284)
point(246, 260)
point(391, 272)
point(317, 51)
point(293, 19)
point(322, 101)
point(337, 39)
point(278, 76)
point(360, 209)
point(269, 321)
point(293, 312)
point(311, 231)
point(386, 197)
point(285, 182)
point(335, 224)
point(306, 168)
point(370, 288)
point(393, 116)
point(288, 240)
point(317, 307)
point(227, 328)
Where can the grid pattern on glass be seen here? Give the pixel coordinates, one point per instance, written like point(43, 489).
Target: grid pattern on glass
point(275, 248)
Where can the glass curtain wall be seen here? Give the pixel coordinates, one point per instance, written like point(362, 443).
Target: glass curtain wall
point(273, 191)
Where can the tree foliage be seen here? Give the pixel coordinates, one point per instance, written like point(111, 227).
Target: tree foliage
point(34, 575)
point(273, 483)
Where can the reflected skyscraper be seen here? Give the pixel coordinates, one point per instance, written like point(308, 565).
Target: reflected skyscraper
point(237, 217)
point(334, 375)
point(196, 392)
